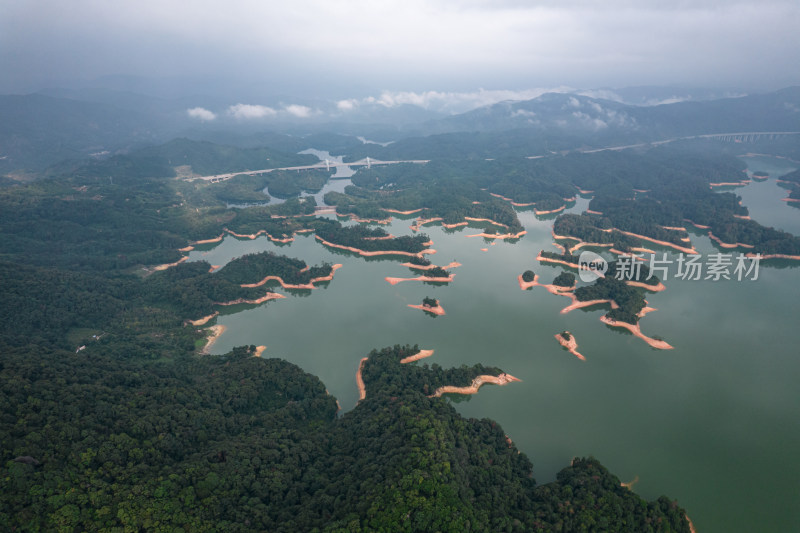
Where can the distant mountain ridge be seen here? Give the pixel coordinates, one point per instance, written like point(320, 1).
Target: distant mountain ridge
point(577, 114)
point(38, 131)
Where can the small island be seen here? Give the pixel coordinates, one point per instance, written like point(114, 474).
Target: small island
point(567, 340)
point(429, 305)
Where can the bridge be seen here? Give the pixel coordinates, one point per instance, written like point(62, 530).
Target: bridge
point(751, 136)
point(739, 137)
point(366, 162)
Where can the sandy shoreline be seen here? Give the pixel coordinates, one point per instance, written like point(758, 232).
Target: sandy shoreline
point(683, 249)
point(216, 333)
point(454, 264)
point(696, 225)
point(422, 354)
point(730, 183)
point(652, 288)
point(203, 321)
point(267, 297)
point(356, 218)
point(578, 304)
point(552, 289)
point(727, 244)
point(500, 235)
point(362, 390)
point(418, 223)
point(490, 221)
point(576, 266)
point(375, 253)
point(515, 204)
point(583, 244)
point(773, 256)
point(395, 281)
point(209, 241)
point(549, 212)
point(259, 350)
point(438, 310)
point(413, 211)
point(309, 285)
point(637, 331)
point(562, 237)
point(477, 383)
point(592, 212)
point(170, 265)
point(571, 345)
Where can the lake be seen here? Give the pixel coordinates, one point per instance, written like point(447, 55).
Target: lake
point(712, 423)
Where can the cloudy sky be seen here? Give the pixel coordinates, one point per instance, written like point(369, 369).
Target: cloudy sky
point(348, 50)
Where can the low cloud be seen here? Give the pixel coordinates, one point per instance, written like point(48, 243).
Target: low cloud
point(450, 102)
point(347, 105)
point(299, 111)
point(201, 113)
point(250, 111)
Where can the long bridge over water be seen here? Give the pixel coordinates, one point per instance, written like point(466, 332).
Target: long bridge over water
point(366, 162)
point(739, 137)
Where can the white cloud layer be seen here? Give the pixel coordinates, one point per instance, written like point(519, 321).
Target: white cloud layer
point(299, 111)
point(250, 111)
point(201, 113)
point(447, 102)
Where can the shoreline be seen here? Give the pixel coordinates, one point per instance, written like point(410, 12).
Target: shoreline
point(216, 333)
point(165, 266)
point(267, 297)
point(210, 241)
point(453, 264)
point(309, 285)
point(489, 220)
point(696, 225)
point(203, 321)
point(356, 218)
point(477, 383)
point(362, 390)
point(552, 289)
point(637, 332)
point(395, 281)
point(375, 253)
point(503, 236)
point(690, 251)
point(422, 354)
point(727, 244)
point(578, 304)
point(515, 204)
point(403, 212)
point(438, 310)
point(773, 256)
point(259, 350)
point(740, 183)
point(550, 211)
point(642, 285)
point(571, 345)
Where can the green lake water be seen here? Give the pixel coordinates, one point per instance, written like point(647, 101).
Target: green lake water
point(712, 423)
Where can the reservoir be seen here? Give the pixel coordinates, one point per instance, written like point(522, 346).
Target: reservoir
point(712, 423)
